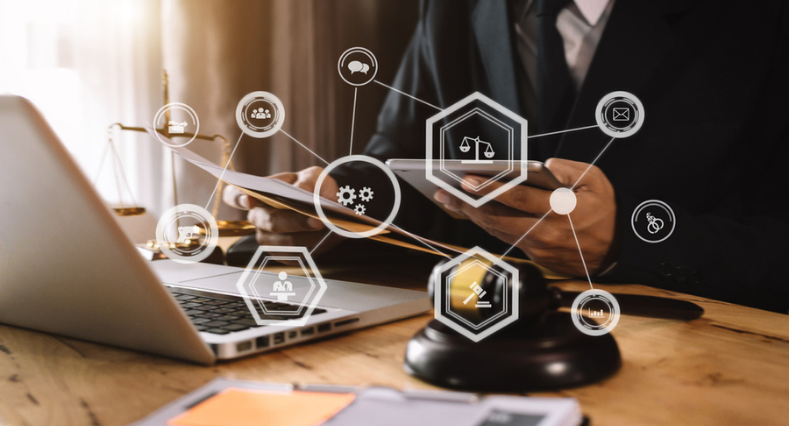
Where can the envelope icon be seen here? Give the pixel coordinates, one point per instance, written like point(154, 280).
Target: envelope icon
point(621, 114)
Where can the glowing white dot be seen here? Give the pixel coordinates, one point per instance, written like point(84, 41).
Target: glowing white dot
point(563, 201)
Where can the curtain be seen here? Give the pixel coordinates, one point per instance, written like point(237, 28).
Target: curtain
point(89, 63)
point(86, 64)
point(217, 51)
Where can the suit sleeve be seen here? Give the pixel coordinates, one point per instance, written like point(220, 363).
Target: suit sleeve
point(400, 132)
point(734, 255)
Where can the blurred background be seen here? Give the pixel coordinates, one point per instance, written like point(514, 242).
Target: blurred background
point(89, 63)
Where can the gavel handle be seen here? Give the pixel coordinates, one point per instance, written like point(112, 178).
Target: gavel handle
point(646, 306)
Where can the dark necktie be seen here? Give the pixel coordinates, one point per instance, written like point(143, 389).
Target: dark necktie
point(555, 93)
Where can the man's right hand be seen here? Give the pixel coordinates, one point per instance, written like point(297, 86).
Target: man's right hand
point(281, 227)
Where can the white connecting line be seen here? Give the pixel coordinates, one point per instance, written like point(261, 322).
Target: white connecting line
point(593, 162)
point(353, 123)
point(580, 252)
point(303, 146)
point(229, 160)
point(321, 242)
point(529, 137)
point(420, 240)
point(353, 118)
point(561, 131)
point(574, 185)
point(524, 235)
point(406, 94)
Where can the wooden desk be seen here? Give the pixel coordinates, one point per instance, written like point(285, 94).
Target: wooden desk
point(730, 367)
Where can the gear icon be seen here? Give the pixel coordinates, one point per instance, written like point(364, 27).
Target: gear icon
point(366, 194)
point(359, 209)
point(346, 196)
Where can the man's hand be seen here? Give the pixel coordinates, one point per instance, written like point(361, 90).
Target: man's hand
point(280, 227)
point(551, 242)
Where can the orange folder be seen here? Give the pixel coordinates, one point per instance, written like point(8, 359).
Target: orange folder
point(246, 407)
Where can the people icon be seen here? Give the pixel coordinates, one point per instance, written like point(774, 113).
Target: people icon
point(282, 288)
point(261, 113)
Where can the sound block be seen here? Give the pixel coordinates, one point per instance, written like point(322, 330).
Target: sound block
point(550, 355)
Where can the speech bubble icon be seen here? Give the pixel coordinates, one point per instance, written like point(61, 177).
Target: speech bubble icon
point(356, 66)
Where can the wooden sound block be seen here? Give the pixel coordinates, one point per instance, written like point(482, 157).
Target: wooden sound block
point(550, 355)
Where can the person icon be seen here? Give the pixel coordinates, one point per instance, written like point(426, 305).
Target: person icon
point(282, 284)
point(282, 288)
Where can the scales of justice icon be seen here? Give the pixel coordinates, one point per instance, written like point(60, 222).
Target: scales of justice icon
point(226, 227)
point(465, 146)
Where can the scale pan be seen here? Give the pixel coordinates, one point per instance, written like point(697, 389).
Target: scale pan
point(128, 211)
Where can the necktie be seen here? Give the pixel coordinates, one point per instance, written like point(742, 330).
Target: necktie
point(555, 93)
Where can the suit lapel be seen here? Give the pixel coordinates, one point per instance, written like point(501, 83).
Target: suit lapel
point(491, 22)
point(635, 40)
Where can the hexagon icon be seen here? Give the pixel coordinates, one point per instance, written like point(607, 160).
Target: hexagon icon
point(294, 303)
point(474, 133)
point(462, 310)
point(285, 309)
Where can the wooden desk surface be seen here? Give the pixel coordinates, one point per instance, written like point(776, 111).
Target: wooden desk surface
point(731, 367)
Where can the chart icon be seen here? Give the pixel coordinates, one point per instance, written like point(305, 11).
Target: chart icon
point(595, 312)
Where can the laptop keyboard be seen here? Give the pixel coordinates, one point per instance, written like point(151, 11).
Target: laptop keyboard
point(222, 314)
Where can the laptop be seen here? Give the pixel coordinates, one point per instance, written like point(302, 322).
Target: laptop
point(67, 268)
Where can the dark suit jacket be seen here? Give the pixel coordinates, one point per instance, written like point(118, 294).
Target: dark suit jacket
point(714, 80)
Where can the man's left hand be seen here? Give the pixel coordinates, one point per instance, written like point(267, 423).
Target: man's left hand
point(550, 243)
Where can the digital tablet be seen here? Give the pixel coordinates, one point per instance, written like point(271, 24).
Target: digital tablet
point(413, 172)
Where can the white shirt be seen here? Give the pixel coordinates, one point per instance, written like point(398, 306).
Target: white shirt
point(580, 24)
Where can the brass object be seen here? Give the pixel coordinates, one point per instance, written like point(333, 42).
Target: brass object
point(188, 244)
point(235, 228)
point(226, 227)
point(128, 211)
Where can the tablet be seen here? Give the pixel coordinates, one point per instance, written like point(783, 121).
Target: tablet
point(413, 172)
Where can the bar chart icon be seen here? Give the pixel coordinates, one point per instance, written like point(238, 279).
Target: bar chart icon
point(596, 314)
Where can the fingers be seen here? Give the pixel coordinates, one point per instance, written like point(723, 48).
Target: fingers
point(520, 197)
point(307, 179)
point(272, 220)
point(568, 172)
point(287, 177)
point(493, 217)
point(296, 239)
point(235, 198)
point(304, 179)
point(499, 219)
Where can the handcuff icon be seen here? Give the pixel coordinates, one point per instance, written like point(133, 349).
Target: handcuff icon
point(654, 224)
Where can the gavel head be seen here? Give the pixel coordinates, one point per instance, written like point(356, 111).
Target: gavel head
point(487, 286)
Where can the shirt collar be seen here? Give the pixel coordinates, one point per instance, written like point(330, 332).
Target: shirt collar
point(591, 10)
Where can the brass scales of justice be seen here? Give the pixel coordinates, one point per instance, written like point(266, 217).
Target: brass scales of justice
point(227, 228)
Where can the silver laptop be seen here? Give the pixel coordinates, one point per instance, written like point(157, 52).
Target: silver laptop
point(67, 268)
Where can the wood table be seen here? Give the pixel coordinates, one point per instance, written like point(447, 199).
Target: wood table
point(730, 367)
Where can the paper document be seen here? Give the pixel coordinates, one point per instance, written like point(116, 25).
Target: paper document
point(282, 195)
